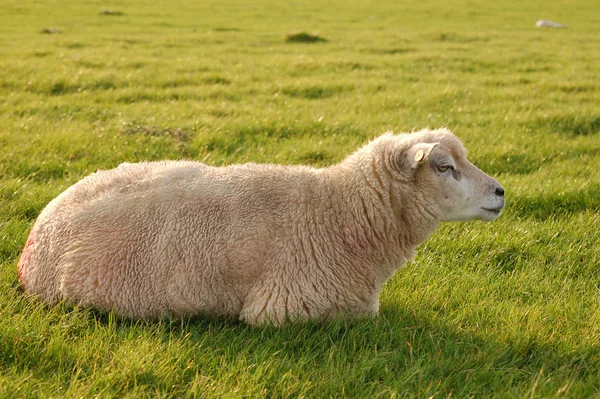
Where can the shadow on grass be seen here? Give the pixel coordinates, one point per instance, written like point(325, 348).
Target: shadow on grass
point(568, 125)
point(524, 163)
point(402, 350)
point(518, 164)
point(63, 87)
point(238, 139)
point(544, 206)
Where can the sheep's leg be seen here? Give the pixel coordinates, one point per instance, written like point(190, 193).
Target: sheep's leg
point(261, 305)
point(272, 302)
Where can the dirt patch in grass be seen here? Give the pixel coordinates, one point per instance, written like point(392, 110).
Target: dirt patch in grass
point(458, 38)
point(304, 37)
point(51, 31)
point(64, 87)
point(111, 12)
point(316, 158)
point(577, 88)
point(60, 88)
point(389, 51)
point(226, 29)
point(136, 128)
point(314, 92)
point(216, 80)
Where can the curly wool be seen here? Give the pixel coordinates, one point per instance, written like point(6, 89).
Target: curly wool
point(263, 243)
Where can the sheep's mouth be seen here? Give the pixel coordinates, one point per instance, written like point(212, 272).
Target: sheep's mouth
point(493, 210)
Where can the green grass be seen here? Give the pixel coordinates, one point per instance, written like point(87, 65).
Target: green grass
point(507, 309)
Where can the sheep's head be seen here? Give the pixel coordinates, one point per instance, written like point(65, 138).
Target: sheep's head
point(438, 164)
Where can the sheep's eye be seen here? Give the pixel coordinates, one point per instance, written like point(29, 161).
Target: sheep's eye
point(445, 168)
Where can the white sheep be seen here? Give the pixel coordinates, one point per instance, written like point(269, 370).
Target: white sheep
point(263, 243)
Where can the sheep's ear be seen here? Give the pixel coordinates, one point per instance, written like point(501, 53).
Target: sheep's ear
point(418, 153)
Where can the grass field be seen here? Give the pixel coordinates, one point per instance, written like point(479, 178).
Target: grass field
point(507, 309)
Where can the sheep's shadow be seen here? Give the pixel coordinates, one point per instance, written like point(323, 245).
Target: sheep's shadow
point(416, 349)
point(402, 349)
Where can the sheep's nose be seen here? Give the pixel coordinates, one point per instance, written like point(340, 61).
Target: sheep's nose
point(499, 191)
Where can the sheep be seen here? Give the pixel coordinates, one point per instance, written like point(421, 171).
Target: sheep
point(261, 243)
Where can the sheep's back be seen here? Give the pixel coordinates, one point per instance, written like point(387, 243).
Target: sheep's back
point(73, 219)
point(154, 238)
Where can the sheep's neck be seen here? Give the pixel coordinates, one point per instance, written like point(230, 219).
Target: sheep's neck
point(386, 223)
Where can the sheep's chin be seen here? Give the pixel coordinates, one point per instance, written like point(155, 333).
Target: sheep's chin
point(489, 215)
point(483, 214)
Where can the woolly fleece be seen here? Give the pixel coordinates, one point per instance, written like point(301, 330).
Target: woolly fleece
point(263, 243)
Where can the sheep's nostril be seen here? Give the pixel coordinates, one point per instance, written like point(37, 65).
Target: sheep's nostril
point(500, 191)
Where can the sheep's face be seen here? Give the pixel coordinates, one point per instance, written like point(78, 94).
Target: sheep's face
point(463, 191)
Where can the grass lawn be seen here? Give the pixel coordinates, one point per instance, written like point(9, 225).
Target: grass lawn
point(506, 309)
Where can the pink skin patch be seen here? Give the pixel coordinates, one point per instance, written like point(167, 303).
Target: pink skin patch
point(25, 257)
